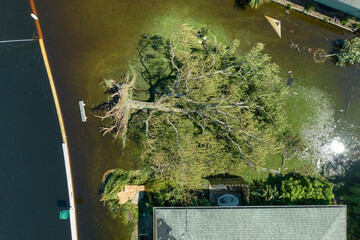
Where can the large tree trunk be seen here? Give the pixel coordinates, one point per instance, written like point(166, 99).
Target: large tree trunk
point(135, 104)
point(121, 111)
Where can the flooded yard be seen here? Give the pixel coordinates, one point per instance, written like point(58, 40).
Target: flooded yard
point(88, 41)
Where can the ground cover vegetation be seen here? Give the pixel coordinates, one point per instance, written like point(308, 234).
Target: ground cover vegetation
point(199, 108)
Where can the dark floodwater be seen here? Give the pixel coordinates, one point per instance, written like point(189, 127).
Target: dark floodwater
point(32, 178)
point(91, 40)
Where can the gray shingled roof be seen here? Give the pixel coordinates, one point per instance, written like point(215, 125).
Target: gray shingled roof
point(251, 223)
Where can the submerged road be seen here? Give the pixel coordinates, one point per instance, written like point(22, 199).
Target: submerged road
point(33, 179)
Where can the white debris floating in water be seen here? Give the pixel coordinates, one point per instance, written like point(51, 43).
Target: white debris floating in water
point(337, 147)
point(34, 16)
point(82, 111)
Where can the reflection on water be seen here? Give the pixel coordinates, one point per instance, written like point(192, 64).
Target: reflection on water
point(337, 147)
point(343, 151)
point(312, 112)
point(331, 144)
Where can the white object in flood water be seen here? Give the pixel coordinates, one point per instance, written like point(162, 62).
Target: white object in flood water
point(34, 16)
point(318, 164)
point(337, 147)
point(82, 111)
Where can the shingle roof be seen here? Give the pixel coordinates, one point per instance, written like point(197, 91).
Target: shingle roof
point(227, 181)
point(251, 223)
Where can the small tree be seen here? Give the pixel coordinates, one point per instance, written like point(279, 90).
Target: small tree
point(349, 53)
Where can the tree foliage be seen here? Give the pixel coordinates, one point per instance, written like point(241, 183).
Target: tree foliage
point(257, 3)
point(113, 183)
point(292, 189)
point(298, 189)
point(209, 109)
point(159, 192)
point(350, 52)
point(116, 180)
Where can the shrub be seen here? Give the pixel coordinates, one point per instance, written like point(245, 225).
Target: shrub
point(309, 8)
point(326, 19)
point(345, 21)
point(299, 189)
point(114, 183)
point(292, 189)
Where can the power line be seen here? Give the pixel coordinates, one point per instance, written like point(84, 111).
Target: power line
point(352, 91)
point(18, 40)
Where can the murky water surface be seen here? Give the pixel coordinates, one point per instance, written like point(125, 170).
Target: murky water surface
point(91, 40)
point(32, 179)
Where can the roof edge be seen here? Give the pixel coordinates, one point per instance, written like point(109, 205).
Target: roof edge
point(256, 207)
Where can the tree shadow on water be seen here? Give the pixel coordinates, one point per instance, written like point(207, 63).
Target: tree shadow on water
point(346, 190)
point(241, 4)
point(155, 74)
point(155, 71)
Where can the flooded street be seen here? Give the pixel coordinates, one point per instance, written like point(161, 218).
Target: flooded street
point(88, 41)
point(33, 181)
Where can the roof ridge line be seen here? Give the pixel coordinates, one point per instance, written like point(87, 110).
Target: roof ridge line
point(332, 224)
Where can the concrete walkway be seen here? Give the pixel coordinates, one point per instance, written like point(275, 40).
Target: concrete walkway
point(316, 14)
